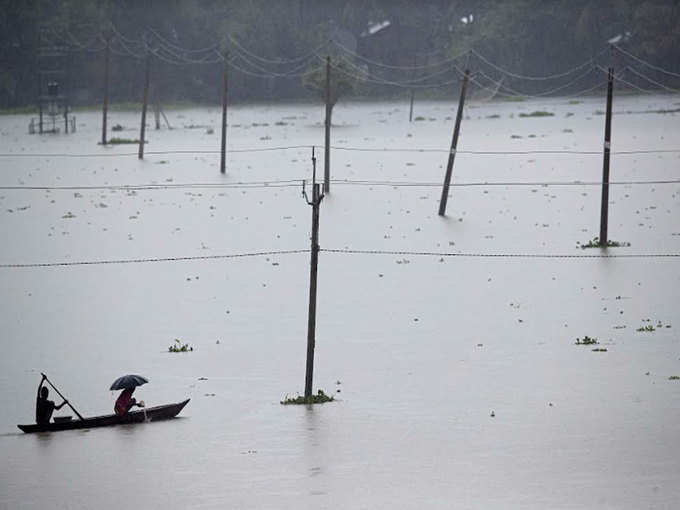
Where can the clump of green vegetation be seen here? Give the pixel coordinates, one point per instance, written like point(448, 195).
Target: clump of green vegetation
point(117, 127)
point(209, 131)
point(600, 349)
point(649, 327)
point(515, 99)
point(419, 117)
point(515, 136)
point(595, 243)
point(180, 347)
point(120, 141)
point(537, 113)
point(674, 378)
point(493, 116)
point(567, 130)
point(319, 398)
point(574, 101)
point(587, 341)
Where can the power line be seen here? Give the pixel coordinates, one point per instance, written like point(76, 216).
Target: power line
point(149, 260)
point(645, 63)
point(296, 183)
point(538, 78)
point(637, 73)
point(347, 251)
point(339, 148)
point(543, 93)
point(504, 153)
point(380, 81)
point(293, 60)
point(402, 68)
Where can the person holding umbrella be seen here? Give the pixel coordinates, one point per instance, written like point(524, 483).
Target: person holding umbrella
point(125, 400)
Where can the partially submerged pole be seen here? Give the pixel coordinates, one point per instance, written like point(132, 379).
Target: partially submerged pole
point(317, 197)
point(604, 210)
point(105, 106)
point(142, 129)
point(454, 144)
point(223, 149)
point(327, 146)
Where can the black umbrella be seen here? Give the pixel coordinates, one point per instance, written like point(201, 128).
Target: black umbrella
point(128, 381)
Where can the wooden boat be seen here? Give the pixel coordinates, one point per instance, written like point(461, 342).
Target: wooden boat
point(164, 412)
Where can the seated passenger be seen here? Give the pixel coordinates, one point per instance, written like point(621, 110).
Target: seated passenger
point(125, 402)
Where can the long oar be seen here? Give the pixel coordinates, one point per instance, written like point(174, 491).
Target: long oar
point(62, 396)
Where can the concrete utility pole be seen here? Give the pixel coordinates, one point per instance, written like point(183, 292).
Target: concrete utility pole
point(142, 130)
point(223, 151)
point(604, 210)
point(105, 106)
point(317, 197)
point(454, 145)
point(327, 147)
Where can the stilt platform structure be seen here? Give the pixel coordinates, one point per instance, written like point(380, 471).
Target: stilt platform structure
point(52, 75)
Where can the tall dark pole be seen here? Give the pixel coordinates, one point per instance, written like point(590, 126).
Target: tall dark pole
point(327, 147)
point(313, 269)
point(105, 106)
point(40, 104)
point(604, 211)
point(413, 92)
point(223, 151)
point(142, 129)
point(454, 144)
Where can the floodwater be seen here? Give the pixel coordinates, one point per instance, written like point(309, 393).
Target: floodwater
point(418, 350)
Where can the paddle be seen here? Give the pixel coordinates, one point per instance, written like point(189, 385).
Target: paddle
point(62, 396)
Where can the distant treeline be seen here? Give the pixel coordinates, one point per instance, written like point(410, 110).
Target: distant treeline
point(530, 37)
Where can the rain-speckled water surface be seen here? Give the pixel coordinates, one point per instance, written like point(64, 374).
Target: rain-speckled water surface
point(457, 379)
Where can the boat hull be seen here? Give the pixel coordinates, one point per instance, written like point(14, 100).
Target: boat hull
point(164, 412)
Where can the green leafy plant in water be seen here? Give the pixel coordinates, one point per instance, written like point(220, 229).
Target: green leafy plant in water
point(117, 127)
point(674, 378)
point(600, 349)
point(180, 347)
point(648, 328)
point(537, 113)
point(319, 398)
point(595, 243)
point(587, 341)
point(120, 141)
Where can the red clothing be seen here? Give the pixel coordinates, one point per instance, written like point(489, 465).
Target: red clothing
point(124, 402)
